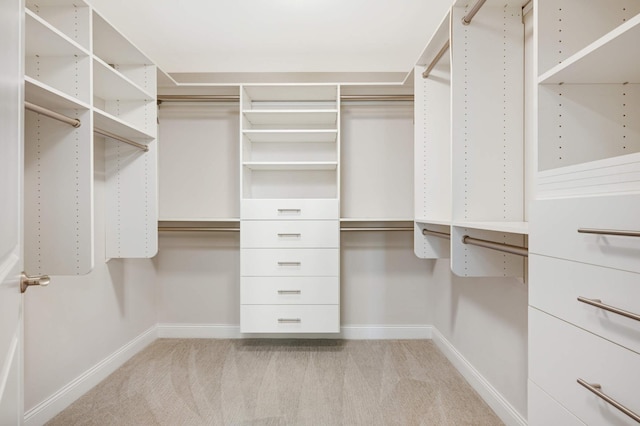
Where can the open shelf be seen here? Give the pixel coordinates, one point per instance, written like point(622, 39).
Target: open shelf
point(46, 96)
point(109, 84)
point(602, 61)
point(292, 117)
point(508, 227)
point(426, 221)
point(105, 121)
point(112, 47)
point(45, 40)
point(297, 165)
point(292, 93)
point(316, 135)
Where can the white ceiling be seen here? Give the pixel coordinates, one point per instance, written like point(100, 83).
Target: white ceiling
point(201, 36)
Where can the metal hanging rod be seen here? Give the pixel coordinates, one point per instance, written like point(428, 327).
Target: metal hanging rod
point(236, 98)
point(194, 229)
point(466, 19)
point(435, 60)
point(121, 139)
point(507, 248)
point(436, 234)
point(52, 114)
point(393, 228)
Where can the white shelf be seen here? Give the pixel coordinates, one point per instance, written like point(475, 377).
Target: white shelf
point(46, 96)
point(375, 219)
point(508, 227)
point(426, 221)
point(610, 59)
point(45, 40)
point(293, 165)
point(316, 135)
point(74, 3)
point(112, 47)
point(292, 93)
point(291, 117)
point(109, 84)
point(105, 121)
point(201, 219)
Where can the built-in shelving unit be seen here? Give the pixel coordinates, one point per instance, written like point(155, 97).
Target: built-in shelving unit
point(469, 146)
point(78, 66)
point(290, 227)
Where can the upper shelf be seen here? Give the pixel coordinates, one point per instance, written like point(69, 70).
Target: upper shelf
point(112, 47)
point(319, 135)
point(292, 93)
point(109, 84)
point(45, 40)
point(105, 121)
point(291, 117)
point(610, 59)
point(291, 165)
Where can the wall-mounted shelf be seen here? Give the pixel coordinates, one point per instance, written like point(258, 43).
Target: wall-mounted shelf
point(109, 84)
point(308, 135)
point(46, 96)
point(509, 227)
point(69, 17)
point(44, 39)
point(282, 166)
point(428, 221)
point(105, 121)
point(291, 117)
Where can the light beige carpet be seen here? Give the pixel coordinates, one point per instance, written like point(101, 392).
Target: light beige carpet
point(282, 382)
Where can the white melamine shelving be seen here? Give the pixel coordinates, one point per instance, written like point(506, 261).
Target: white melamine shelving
point(70, 17)
point(292, 135)
point(105, 121)
point(46, 96)
point(508, 227)
point(427, 221)
point(291, 117)
point(282, 166)
point(109, 84)
point(589, 100)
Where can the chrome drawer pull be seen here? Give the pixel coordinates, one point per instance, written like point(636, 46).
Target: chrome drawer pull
point(289, 210)
point(598, 304)
point(290, 235)
point(289, 291)
point(609, 232)
point(289, 320)
point(595, 388)
point(289, 263)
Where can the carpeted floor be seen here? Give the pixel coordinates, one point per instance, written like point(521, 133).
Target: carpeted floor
point(282, 382)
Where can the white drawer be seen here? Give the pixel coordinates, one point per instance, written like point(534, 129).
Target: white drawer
point(289, 262)
point(555, 223)
point(289, 319)
point(290, 234)
point(289, 290)
point(555, 285)
point(560, 354)
point(545, 411)
point(290, 209)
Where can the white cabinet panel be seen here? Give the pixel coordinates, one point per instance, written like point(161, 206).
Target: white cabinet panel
point(289, 319)
point(290, 234)
point(545, 411)
point(290, 262)
point(556, 285)
point(289, 290)
point(560, 354)
point(294, 209)
point(555, 224)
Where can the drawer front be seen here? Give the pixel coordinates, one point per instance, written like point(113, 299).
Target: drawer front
point(560, 354)
point(290, 209)
point(545, 411)
point(290, 234)
point(556, 284)
point(289, 262)
point(289, 319)
point(555, 223)
point(289, 290)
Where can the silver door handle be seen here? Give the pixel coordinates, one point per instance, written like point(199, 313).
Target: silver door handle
point(289, 263)
point(598, 304)
point(609, 232)
point(289, 235)
point(289, 291)
point(596, 389)
point(289, 210)
point(289, 320)
point(26, 281)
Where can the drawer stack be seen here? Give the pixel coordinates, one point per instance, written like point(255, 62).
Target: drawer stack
point(584, 322)
point(290, 266)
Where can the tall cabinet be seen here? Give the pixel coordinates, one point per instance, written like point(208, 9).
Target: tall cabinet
point(290, 214)
point(584, 297)
point(80, 67)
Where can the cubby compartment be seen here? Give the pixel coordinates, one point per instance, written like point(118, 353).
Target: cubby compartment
point(54, 62)
point(70, 17)
point(300, 181)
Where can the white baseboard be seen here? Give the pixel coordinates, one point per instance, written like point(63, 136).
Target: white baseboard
point(50, 407)
point(353, 332)
point(507, 413)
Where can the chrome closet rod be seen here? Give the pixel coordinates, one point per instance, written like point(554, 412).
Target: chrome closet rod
point(392, 228)
point(121, 139)
point(466, 19)
point(436, 234)
point(506, 248)
point(52, 114)
point(193, 229)
point(435, 60)
point(236, 98)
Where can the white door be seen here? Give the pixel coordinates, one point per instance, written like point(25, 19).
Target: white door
point(11, 142)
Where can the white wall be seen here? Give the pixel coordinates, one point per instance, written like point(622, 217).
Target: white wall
point(77, 322)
